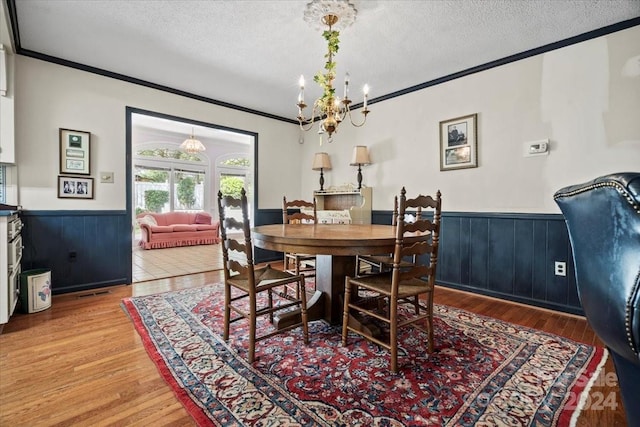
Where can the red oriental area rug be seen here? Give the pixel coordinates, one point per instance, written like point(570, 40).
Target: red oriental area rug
point(484, 371)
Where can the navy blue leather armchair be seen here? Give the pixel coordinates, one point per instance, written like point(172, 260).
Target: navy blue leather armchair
point(603, 220)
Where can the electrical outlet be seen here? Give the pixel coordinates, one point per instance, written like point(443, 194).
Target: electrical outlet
point(561, 268)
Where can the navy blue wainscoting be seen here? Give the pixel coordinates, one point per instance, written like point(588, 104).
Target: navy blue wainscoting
point(509, 256)
point(83, 249)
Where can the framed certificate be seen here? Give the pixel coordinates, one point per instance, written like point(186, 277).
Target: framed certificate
point(75, 152)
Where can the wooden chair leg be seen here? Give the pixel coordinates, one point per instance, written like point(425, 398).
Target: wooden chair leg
point(393, 333)
point(227, 311)
point(303, 309)
point(286, 268)
point(298, 274)
point(430, 323)
point(270, 301)
point(345, 313)
point(430, 335)
point(252, 328)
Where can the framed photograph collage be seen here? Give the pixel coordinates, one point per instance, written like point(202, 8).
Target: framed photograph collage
point(459, 143)
point(75, 159)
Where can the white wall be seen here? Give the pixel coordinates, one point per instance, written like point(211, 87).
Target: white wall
point(50, 96)
point(585, 98)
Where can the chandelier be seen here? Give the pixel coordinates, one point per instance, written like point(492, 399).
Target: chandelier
point(330, 109)
point(192, 145)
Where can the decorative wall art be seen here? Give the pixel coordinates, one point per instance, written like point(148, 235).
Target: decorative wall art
point(75, 152)
point(73, 187)
point(459, 143)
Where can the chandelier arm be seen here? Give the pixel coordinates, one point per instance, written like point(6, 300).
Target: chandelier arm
point(365, 112)
point(310, 121)
point(309, 124)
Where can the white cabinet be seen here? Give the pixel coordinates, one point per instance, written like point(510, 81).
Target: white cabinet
point(10, 257)
point(357, 202)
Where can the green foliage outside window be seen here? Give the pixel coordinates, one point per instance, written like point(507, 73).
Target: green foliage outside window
point(186, 192)
point(231, 186)
point(151, 175)
point(168, 153)
point(154, 200)
point(236, 162)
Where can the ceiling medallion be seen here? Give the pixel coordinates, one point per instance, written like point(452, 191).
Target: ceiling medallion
point(317, 10)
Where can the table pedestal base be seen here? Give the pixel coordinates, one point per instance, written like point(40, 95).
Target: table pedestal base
point(330, 273)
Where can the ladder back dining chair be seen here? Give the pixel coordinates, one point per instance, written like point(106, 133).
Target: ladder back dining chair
point(299, 212)
point(382, 296)
point(250, 291)
point(371, 264)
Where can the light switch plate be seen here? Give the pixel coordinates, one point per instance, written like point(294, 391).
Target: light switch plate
point(106, 177)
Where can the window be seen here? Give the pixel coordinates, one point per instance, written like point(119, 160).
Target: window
point(234, 173)
point(188, 190)
point(151, 189)
point(233, 176)
point(166, 180)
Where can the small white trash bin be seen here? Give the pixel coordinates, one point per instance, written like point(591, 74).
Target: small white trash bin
point(35, 290)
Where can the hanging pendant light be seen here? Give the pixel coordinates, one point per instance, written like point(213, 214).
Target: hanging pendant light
point(192, 145)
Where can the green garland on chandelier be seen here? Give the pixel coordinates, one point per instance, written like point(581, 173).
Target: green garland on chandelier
point(325, 80)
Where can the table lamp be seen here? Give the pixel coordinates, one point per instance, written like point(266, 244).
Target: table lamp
point(360, 157)
point(321, 161)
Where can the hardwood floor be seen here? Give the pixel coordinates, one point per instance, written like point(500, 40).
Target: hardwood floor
point(82, 363)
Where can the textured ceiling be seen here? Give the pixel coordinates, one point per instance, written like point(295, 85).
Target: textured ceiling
point(251, 53)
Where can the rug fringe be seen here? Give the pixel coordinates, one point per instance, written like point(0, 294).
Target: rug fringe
point(191, 406)
point(585, 393)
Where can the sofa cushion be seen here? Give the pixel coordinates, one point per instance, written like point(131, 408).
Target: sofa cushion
point(161, 229)
point(184, 227)
point(203, 227)
point(202, 218)
point(176, 218)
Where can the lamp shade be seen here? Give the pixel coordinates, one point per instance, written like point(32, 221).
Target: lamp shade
point(360, 156)
point(321, 161)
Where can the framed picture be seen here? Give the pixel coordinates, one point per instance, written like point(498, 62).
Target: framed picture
point(459, 143)
point(74, 187)
point(75, 152)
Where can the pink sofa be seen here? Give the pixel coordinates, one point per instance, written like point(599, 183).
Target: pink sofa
point(171, 229)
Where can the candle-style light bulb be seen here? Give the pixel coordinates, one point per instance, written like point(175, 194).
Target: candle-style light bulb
point(301, 94)
point(346, 86)
point(365, 89)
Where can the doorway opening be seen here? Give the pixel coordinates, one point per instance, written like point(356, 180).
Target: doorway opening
point(164, 178)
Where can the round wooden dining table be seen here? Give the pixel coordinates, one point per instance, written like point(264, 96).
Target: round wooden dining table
point(335, 247)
